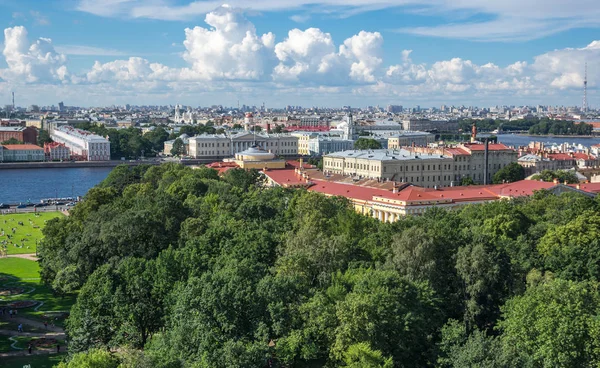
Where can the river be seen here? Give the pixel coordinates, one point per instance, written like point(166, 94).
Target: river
point(22, 185)
point(523, 140)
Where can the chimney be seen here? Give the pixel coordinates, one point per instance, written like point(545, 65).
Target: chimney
point(555, 181)
point(578, 186)
point(395, 190)
point(485, 162)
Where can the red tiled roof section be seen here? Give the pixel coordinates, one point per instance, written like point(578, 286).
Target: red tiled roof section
point(345, 190)
point(456, 151)
point(520, 188)
point(296, 164)
point(560, 156)
point(491, 147)
point(583, 156)
point(588, 187)
point(286, 178)
point(22, 147)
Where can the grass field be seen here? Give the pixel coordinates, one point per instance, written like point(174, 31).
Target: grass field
point(25, 273)
point(34, 361)
point(25, 238)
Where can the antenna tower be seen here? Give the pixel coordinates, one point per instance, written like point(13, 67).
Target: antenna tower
point(13, 100)
point(585, 104)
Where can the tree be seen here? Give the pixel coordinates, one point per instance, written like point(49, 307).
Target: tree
point(178, 147)
point(460, 349)
point(95, 358)
point(11, 141)
point(554, 324)
point(467, 180)
point(509, 173)
point(561, 175)
point(366, 143)
point(43, 137)
point(572, 251)
point(362, 356)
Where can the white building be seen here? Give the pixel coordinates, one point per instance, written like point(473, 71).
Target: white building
point(220, 145)
point(82, 143)
point(405, 139)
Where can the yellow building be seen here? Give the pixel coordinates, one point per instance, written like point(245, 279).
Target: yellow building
point(256, 158)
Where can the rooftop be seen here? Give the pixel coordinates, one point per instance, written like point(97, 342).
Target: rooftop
point(385, 155)
point(22, 147)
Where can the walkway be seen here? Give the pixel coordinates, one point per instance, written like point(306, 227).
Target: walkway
point(31, 257)
point(53, 332)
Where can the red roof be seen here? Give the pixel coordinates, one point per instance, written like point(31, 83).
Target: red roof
point(588, 187)
point(22, 147)
point(519, 188)
point(491, 147)
point(560, 156)
point(456, 151)
point(583, 156)
point(296, 164)
point(346, 190)
point(286, 178)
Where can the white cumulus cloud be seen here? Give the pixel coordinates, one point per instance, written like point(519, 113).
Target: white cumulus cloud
point(31, 62)
point(230, 49)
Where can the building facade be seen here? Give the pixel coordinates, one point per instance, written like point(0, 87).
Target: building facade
point(220, 145)
point(22, 134)
point(21, 153)
point(55, 151)
point(83, 144)
point(320, 145)
point(410, 138)
point(414, 124)
point(422, 166)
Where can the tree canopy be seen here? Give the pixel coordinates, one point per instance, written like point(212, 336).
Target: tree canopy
point(176, 267)
point(509, 173)
point(366, 143)
point(561, 175)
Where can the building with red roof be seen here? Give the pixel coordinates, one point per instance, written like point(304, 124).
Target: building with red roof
point(406, 199)
point(21, 153)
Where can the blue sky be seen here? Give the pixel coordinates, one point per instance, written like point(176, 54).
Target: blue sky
point(300, 52)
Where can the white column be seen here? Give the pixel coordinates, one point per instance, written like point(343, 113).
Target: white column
point(380, 216)
point(385, 216)
point(392, 217)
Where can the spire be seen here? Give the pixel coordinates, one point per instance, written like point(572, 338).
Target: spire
point(584, 107)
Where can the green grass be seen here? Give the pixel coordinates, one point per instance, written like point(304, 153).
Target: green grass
point(26, 236)
point(5, 344)
point(35, 361)
point(9, 325)
point(20, 268)
point(26, 275)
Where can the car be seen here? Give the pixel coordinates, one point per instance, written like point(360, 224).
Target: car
point(60, 203)
point(22, 206)
point(3, 206)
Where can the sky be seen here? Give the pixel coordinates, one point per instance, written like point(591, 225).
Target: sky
point(322, 53)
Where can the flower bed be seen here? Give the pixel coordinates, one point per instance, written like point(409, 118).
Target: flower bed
point(43, 343)
point(10, 291)
point(22, 304)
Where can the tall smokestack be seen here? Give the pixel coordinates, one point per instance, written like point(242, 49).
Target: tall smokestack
point(485, 162)
point(13, 96)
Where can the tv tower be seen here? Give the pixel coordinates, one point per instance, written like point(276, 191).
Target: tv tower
point(585, 104)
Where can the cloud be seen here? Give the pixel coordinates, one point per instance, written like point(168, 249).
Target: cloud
point(508, 20)
point(31, 62)
point(228, 56)
point(88, 50)
point(230, 49)
point(300, 18)
point(39, 18)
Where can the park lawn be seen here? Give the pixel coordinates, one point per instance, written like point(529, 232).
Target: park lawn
point(5, 345)
point(26, 275)
point(26, 236)
point(7, 324)
point(34, 361)
point(23, 343)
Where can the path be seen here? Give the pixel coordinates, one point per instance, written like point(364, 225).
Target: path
point(31, 257)
point(53, 332)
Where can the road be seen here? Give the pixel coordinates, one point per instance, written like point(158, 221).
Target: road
point(31, 209)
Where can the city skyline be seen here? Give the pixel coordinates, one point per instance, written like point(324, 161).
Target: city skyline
point(309, 53)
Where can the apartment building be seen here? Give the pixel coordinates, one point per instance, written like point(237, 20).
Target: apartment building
point(86, 145)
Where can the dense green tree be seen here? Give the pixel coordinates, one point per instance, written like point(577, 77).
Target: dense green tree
point(459, 349)
point(362, 356)
point(43, 137)
point(509, 173)
point(561, 175)
point(96, 358)
point(366, 143)
point(11, 141)
point(178, 148)
point(467, 180)
point(554, 324)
